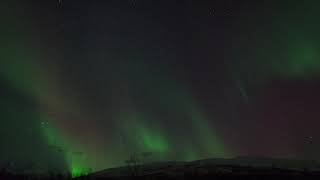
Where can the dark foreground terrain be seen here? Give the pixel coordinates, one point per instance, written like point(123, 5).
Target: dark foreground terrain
point(237, 168)
point(238, 173)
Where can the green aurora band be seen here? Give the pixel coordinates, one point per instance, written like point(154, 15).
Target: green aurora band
point(140, 131)
point(25, 73)
point(20, 67)
point(142, 135)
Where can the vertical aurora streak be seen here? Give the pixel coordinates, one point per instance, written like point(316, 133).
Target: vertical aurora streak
point(145, 138)
point(107, 93)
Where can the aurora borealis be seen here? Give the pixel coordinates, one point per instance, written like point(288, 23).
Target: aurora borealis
point(86, 84)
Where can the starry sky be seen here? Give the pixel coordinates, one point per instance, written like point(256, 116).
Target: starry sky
point(87, 84)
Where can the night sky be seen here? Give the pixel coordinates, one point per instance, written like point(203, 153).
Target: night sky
point(86, 84)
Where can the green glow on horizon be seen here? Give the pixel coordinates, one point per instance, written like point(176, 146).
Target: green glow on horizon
point(145, 134)
point(77, 166)
point(210, 144)
point(24, 71)
point(206, 143)
point(153, 141)
point(78, 170)
point(145, 138)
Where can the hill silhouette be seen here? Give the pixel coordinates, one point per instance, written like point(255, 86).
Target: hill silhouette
point(244, 166)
